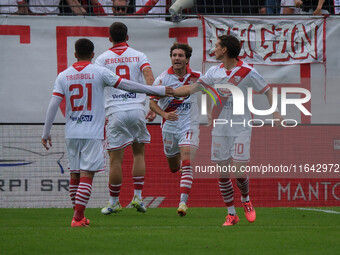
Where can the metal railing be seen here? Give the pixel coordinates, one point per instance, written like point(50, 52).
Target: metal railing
point(201, 7)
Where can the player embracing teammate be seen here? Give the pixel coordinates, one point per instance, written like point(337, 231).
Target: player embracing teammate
point(82, 85)
point(231, 145)
point(126, 117)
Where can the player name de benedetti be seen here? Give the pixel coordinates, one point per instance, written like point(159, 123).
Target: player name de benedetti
point(121, 60)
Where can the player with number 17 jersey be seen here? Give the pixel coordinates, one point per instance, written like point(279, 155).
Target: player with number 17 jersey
point(128, 63)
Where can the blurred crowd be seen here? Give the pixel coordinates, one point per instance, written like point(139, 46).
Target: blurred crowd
point(160, 8)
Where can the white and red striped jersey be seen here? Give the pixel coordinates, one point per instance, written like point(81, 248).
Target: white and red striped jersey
point(242, 76)
point(82, 85)
point(128, 63)
point(187, 107)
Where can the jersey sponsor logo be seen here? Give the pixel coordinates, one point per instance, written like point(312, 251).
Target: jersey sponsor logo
point(180, 106)
point(124, 96)
point(82, 118)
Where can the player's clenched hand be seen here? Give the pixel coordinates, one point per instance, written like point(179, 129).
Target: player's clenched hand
point(169, 91)
point(44, 142)
point(172, 116)
point(151, 116)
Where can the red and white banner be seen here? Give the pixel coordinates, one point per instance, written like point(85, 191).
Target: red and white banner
point(270, 41)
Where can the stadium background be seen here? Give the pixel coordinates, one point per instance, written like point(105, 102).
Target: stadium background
point(30, 177)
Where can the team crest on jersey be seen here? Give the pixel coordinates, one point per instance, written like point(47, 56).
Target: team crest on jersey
point(223, 92)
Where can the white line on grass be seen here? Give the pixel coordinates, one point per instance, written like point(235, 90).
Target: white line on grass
point(318, 210)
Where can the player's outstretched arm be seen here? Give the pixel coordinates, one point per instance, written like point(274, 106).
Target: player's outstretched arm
point(187, 90)
point(132, 86)
point(49, 119)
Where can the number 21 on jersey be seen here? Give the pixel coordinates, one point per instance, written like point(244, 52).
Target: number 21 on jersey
point(80, 89)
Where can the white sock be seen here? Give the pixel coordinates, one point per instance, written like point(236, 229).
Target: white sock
point(184, 198)
point(231, 210)
point(244, 199)
point(138, 193)
point(113, 200)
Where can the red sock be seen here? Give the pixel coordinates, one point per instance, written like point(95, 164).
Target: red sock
point(186, 178)
point(227, 191)
point(72, 189)
point(243, 185)
point(114, 189)
point(82, 197)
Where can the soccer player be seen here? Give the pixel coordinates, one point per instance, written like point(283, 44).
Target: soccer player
point(126, 116)
point(231, 144)
point(180, 127)
point(82, 85)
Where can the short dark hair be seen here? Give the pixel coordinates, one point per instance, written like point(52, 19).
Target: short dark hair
point(183, 46)
point(232, 44)
point(118, 32)
point(84, 48)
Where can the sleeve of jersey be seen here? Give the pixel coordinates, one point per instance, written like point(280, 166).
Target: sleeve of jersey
point(258, 83)
point(50, 115)
point(157, 82)
point(58, 90)
point(99, 62)
point(206, 80)
point(144, 62)
point(132, 86)
point(109, 77)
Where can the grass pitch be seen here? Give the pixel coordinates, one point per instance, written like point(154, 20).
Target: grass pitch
point(160, 231)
